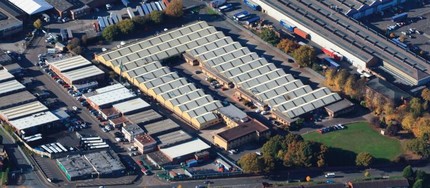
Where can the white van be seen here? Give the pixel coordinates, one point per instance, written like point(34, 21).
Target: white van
point(330, 175)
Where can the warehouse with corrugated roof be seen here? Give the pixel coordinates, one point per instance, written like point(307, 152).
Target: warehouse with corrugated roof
point(76, 70)
point(11, 86)
point(23, 110)
point(216, 52)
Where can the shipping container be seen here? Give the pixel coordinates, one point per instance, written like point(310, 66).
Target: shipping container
point(192, 163)
point(239, 13)
point(130, 12)
point(149, 7)
point(225, 8)
point(158, 6)
point(287, 25)
point(301, 33)
point(101, 23)
point(328, 52)
point(331, 62)
point(242, 17)
point(145, 9)
point(337, 56)
point(252, 5)
point(162, 5)
point(125, 2)
point(252, 20)
point(399, 17)
point(140, 10)
point(154, 7)
point(216, 3)
point(79, 12)
point(69, 34)
point(400, 44)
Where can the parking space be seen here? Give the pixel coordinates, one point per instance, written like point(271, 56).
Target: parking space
point(413, 30)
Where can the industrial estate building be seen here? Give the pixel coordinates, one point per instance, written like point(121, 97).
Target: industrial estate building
point(5, 75)
point(387, 91)
point(76, 71)
point(359, 9)
point(104, 164)
point(254, 77)
point(21, 110)
point(185, 150)
point(9, 24)
point(108, 96)
point(145, 143)
point(32, 7)
point(361, 46)
point(243, 129)
point(131, 131)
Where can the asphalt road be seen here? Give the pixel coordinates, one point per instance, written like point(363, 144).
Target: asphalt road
point(21, 166)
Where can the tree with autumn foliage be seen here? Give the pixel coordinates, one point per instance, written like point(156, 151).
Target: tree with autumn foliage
point(251, 163)
point(422, 127)
point(175, 9)
point(350, 84)
point(408, 122)
point(364, 159)
point(340, 79)
point(287, 45)
point(304, 55)
point(330, 74)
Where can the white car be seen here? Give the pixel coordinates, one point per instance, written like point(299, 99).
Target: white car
point(264, 112)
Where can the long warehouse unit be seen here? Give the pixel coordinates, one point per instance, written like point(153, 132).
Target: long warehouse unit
point(350, 38)
point(140, 65)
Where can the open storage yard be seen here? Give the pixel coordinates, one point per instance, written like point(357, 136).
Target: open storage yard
point(356, 138)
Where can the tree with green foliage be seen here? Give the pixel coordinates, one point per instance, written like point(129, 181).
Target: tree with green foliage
point(140, 20)
point(408, 173)
point(303, 154)
point(416, 107)
point(421, 175)
point(364, 159)
point(272, 146)
point(419, 146)
point(175, 8)
point(37, 24)
point(269, 163)
point(156, 16)
point(110, 32)
point(269, 36)
point(304, 55)
point(251, 163)
point(291, 137)
point(419, 184)
point(126, 26)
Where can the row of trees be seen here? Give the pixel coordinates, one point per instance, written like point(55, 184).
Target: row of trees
point(418, 178)
point(288, 151)
point(350, 84)
point(173, 10)
point(304, 55)
point(293, 151)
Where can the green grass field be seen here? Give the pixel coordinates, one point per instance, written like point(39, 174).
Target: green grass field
point(356, 138)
